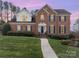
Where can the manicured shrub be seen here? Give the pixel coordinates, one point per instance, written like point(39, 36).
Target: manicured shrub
point(61, 36)
point(10, 33)
point(6, 28)
point(65, 42)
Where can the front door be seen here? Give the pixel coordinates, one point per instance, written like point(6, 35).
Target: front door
point(42, 29)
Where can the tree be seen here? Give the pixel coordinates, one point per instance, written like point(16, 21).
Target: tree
point(13, 9)
point(10, 5)
point(6, 7)
point(1, 8)
point(17, 9)
point(14, 18)
point(6, 28)
point(2, 22)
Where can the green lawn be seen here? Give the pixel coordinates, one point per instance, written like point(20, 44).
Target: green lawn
point(22, 47)
point(64, 51)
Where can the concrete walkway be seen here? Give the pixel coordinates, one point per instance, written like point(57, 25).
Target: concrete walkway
point(47, 51)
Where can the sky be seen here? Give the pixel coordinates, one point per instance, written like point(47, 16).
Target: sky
point(70, 5)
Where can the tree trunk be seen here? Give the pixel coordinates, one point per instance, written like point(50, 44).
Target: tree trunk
point(1, 15)
point(7, 15)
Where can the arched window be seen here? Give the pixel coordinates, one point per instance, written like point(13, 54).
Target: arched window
point(42, 17)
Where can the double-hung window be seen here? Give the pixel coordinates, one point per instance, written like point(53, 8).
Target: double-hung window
point(29, 28)
point(62, 18)
point(52, 18)
point(42, 17)
point(62, 29)
point(19, 28)
point(52, 29)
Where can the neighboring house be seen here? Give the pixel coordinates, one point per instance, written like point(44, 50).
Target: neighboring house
point(76, 26)
point(24, 16)
point(47, 21)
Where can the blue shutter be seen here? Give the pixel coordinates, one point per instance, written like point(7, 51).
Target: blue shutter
point(59, 29)
point(49, 18)
point(31, 28)
point(54, 17)
point(64, 29)
point(21, 28)
point(54, 29)
point(16, 28)
point(49, 29)
point(60, 18)
point(26, 28)
point(65, 18)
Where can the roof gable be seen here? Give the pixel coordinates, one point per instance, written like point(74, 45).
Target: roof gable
point(47, 8)
point(25, 12)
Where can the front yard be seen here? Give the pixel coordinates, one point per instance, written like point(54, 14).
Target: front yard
point(12, 46)
point(64, 51)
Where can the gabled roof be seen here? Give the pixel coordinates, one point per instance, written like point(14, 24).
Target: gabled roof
point(47, 7)
point(24, 10)
point(62, 11)
point(57, 11)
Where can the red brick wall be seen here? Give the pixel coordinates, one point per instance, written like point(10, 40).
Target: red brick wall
point(14, 27)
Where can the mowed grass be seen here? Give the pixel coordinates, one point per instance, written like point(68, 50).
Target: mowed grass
point(20, 47)
point(64, 51)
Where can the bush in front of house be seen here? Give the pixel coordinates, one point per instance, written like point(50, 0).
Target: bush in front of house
point(61, 36)
point(10, 33)
point(6, 28)
point(66, 42)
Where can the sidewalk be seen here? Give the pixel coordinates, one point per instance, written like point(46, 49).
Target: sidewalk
point(47, 51)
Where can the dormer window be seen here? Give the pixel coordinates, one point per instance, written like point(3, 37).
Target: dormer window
point(42, 17)
point(23, 17)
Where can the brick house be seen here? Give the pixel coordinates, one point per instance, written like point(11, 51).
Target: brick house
point(46, 21)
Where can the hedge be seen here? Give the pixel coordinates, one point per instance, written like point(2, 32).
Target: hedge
point(6, 28)
point(61, 36)
point(10, 33)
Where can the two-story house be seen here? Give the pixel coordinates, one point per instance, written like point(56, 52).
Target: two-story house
point(47, 21)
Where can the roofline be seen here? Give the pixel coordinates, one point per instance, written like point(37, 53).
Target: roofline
point(49, 7)
point(67, 11)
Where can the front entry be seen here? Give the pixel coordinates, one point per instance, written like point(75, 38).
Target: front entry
point(42, 29)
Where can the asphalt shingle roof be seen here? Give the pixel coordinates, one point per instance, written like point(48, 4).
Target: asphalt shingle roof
point(62, 11)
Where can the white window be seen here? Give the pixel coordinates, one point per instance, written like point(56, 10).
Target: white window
point(21, 18)
point(62, 29)
point(52, 29)
point(62, 18)
point(28, 27)
point(52, 17)
point(18, 28)
point(42, 17)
